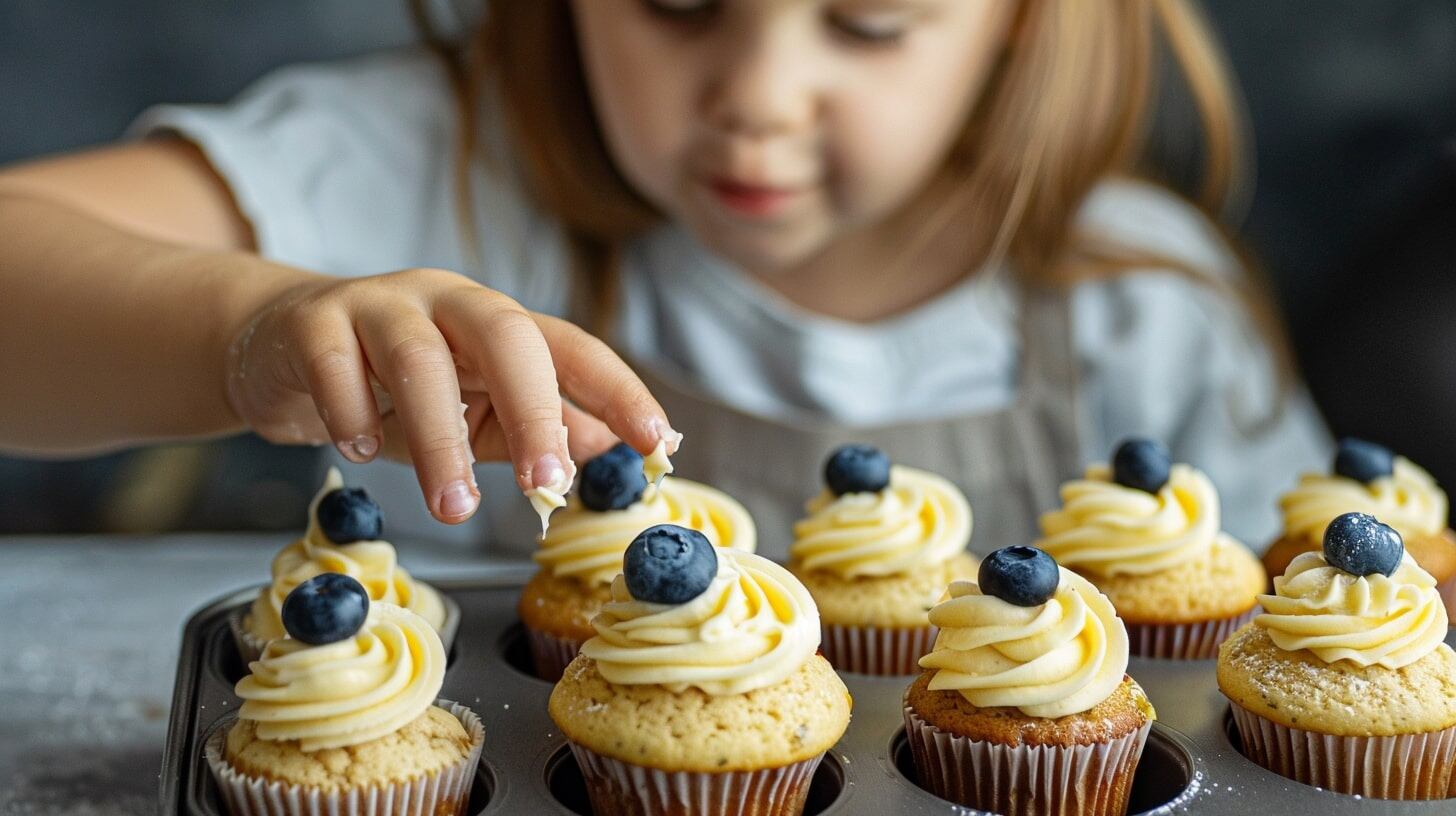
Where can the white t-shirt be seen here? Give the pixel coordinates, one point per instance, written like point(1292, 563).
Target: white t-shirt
point(346, 168)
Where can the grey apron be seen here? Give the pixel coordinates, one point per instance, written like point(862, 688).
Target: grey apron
point(1009, 462)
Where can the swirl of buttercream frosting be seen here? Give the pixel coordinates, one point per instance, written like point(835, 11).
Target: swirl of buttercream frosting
point(1408, 500)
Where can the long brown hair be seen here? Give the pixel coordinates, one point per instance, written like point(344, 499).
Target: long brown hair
point(1064, 109)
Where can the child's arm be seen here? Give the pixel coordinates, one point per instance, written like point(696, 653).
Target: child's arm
point(133, 310)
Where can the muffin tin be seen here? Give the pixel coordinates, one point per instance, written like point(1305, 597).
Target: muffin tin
point(1191, 764)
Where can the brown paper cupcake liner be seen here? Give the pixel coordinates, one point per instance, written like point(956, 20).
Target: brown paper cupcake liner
point(876, 650)
point(618, 788)
point(1025, 780)
point(250, 646)
point(1447, 589)
point(445, 792)
point(1403, 766)
point(1183, 641)
point(550, 654)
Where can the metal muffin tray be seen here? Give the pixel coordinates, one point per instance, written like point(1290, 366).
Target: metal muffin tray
point(1191, 764)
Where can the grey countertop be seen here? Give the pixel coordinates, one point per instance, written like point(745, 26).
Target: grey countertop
point(89, 632)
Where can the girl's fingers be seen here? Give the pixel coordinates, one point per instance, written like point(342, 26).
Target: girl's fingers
point(595, 378)
point(327, 359)
point(411, 359)
point(586, 435)
point(498, 340)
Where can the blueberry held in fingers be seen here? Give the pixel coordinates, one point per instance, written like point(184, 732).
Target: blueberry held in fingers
point(1360, 544)
point(326, 608)
point(1024, 576)
point(348, 514)
point(857, 469)
point(1142, 464)
point(613, 480)
point(668, 564)
point(1363, 461)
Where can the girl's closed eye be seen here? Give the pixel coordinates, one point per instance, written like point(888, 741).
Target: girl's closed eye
point(682, 11)
point(878, 23)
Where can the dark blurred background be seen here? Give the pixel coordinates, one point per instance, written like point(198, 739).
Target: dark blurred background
point(1353, 105)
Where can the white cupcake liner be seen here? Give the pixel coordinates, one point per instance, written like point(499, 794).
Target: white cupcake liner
point(1403, 766)
point(250, 646)
point(550, 654)
point(445, 792)
point(1183, 641)
point(1026, 780)
point(618, 788)
point(876, 650)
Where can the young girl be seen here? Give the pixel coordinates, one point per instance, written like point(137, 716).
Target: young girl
point(803, 222)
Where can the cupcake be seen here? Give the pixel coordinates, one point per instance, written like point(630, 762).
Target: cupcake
point(342, 717)
point(582, 550)
point(701, 692)
point(876, 550)
point(1368, 478)
point(1147, 533)
point(1025, 706)
point(344, 525)
point(1343, 682)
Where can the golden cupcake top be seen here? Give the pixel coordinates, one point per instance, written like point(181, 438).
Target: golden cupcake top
point(344, 525)
point(1362, 600)
point(616, 500)
point(687, 614)
point(349, 672)
point(877, 519)
point(1366, 478)
point(1027, 634)
point(1142, 514)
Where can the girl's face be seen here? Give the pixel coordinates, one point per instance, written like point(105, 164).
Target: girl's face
point(771, 128)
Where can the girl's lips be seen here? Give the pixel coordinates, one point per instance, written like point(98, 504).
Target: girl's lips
point(752, 199)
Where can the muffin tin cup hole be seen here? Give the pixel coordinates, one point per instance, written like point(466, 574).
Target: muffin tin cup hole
point(1163, 779)
point(567, 786)
point(515, 649)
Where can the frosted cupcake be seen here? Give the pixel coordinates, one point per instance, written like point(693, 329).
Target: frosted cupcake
point(343, 536)
point(1344, 681)
point(701, 692)
point(1368, 478)
point(582, 550)
point(1025, 706)
point(341, 716)
point(876, 549)
point(1147, 533)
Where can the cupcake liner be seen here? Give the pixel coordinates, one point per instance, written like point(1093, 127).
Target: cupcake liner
point(1447, 589)
point(1183, 641)
point(443, 793)
point(1404, 766)
point(250, 646)
point(1026, 780)
point(550, 654)
point(618, 788)
point(876, 650)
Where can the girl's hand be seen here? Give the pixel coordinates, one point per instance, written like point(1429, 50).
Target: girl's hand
point(383, 364)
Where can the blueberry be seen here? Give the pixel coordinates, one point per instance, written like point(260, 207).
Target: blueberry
point(326, 608)
point(613, 480)
point(669, 564)
point(1024, 576)
point(1141, 464)
point(1363, 461)
point(857, 469)
point(348, 514)
point(1360, 544)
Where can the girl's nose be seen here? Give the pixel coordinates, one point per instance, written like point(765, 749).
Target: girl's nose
point(764, 86)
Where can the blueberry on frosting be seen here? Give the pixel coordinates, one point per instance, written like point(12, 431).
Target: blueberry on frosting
point(326, 608)
point(1024, 576)
point(613, 480)
point(668, 564)
point(348, 514)
point(1363, 461)
point(1141, 464)
point(1360, 544)
point(857, 469)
